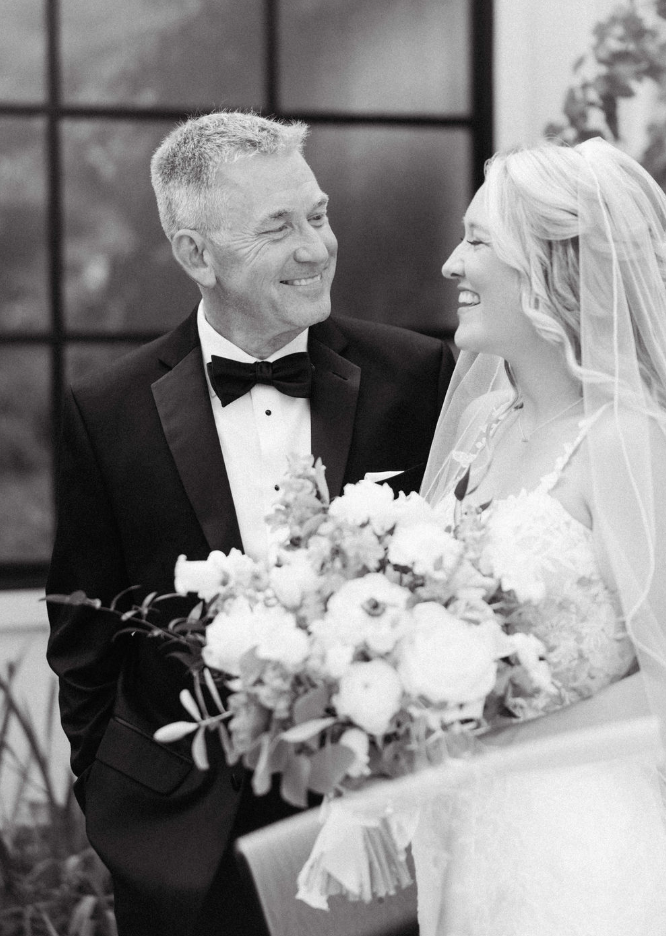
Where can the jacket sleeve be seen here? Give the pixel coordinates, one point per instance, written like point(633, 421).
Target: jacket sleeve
point(87, 556)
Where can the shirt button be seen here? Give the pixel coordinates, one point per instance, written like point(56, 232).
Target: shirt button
point(268, 412)
point(277, 487)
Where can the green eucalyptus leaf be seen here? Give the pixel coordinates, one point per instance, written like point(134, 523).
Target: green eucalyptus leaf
point(251, 667)
point(328, 766)
point(307, 730)
point(195, 613)
point(311, 705)
point(294, 782)
point(76, 598)
point(251, 756)
point(261, 778)
point(175, 731)
point(199, 752)
point(188, 703)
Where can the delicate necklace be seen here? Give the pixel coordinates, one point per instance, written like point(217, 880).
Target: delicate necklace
point(526, 438)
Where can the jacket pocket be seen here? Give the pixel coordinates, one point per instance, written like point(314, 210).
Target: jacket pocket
point(135, 754)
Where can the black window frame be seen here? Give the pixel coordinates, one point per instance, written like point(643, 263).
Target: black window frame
point(56, 338)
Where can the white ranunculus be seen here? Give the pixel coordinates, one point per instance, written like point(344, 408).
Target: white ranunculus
point(425, 548)
point(203, 577)
point(369, 694)
point(367, 610)
point(359, 743)
point(365, 502)
point(444, 659)
point(230, 634)
point(279, 637)
point(293, 580)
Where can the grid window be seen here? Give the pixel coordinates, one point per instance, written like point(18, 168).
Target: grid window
point(398, 97)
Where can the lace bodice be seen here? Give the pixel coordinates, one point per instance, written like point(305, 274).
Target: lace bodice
point(549, 560)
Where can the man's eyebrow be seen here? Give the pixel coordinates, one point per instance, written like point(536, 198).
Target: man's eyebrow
point(280, 213)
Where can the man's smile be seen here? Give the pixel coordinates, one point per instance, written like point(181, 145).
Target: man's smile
point(304, 281)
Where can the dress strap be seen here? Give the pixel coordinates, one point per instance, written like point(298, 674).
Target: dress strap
point(549, 481)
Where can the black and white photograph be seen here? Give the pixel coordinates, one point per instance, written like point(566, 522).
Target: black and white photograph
point(333, 468)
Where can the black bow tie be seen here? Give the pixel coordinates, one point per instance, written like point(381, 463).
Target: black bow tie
point(291, 374)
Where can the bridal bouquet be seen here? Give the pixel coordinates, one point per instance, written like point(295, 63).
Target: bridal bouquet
point(378, 640)
point(374, 643)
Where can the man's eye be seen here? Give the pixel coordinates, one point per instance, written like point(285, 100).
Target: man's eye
point(319, 218)
point(277, 230)
point(474, 243)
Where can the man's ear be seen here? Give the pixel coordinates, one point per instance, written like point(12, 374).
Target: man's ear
point(190, 250)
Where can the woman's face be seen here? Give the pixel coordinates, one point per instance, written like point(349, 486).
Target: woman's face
point(489, 312)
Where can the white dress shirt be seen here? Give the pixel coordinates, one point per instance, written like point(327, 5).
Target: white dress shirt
point(256, 432)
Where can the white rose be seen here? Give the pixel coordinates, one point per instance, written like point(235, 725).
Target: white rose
point(367, 610)
point(411, 508)
point(293, 580)
point(530, 650)
point(369, 694)
point(230, 634)
point(365, 502)
point(425, 548)
point(239, 567)
point(203, 577)
point(279, 637)
point(337, 659)
point(359, 743)
point(445, 659)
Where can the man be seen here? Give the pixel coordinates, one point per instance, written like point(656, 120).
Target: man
point(164, 453)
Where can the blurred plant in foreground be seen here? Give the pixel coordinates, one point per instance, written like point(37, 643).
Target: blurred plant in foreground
point(51, 881)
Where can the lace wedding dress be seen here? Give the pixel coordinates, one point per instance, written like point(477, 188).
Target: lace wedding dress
point(563, 850)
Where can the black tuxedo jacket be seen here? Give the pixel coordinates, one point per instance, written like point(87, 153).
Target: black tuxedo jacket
point(142, 480)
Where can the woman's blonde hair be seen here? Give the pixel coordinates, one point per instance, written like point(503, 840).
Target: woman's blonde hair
point(534, 217)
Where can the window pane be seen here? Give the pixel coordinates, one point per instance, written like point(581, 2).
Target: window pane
point(207, 53)
point(25, 457)
point(120, 274)
point(397, 200)
point(23, 273)
point(82, 359)
point(395, 56)
point(22, 51)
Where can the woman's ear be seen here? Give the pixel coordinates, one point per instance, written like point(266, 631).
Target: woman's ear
point(191, 252)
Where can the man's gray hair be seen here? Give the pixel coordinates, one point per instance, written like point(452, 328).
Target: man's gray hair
point(184, 167)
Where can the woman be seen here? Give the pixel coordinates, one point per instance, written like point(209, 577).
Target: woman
point(557, 420)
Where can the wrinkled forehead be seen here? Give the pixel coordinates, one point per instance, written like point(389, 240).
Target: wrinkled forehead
point(266, 184)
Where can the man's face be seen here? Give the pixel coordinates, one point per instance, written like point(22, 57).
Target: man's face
point(274, 257)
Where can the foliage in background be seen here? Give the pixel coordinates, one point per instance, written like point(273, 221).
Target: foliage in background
point(628, 49)
point(51, 881)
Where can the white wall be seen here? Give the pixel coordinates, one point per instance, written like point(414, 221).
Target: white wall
point(536, 45)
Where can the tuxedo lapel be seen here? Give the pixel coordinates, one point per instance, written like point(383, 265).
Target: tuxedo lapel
point(335, 387)
point(183, 404)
